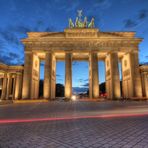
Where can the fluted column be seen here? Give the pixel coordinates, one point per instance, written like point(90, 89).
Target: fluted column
point(35, 77)
point(9, 85)
point(68, 75)
point(27, 77)
point(112, 76)
point(13, 86)
point(49, 76)
point(131, 75)
point(18, 86)
point(4, 87)
point(144, 78)
point(53, 77)
point(93, 76)
point(137, 86)
point(146, 84)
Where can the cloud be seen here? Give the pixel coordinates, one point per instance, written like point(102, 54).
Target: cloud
point(13, 55)
point(58, 75)
point(21, 29)
point(142, 14)
point(137, 20)
point(75, 63)
point(11, 58)
point(42, 64)
point(67, 5)
point(89, 6)
point(129, 23)
point(50, 29)
point(85, 85)
point(102, 4)
point(40, 22)
point(60, 80)
point(83, 80)
point(143, 63)
point(10, 41)
point(86, 80)
point(9, 37)
point(80, 80)
point(2, 45)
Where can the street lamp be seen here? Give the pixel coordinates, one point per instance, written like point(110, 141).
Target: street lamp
point(73, 98)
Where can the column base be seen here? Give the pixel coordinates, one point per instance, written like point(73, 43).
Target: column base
point(5, 102)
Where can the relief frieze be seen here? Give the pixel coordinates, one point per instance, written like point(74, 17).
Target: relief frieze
point(126, 73)
point(108, 73)
point(81, 34)
point(35, 73)
point(91, 44)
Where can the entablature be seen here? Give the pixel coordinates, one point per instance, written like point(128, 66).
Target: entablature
point(14, 69)
point(81, 45)
point(144, 68)
point(80, 33)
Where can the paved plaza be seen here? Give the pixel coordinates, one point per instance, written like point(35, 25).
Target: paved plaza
point(83, 125)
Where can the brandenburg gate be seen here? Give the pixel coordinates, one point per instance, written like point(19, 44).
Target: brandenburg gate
point(81, 41)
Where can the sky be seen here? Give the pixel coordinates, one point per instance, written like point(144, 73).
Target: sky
point(20, 16)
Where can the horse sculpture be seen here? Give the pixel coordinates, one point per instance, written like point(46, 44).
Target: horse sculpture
point(91, 24)
point(81, 24)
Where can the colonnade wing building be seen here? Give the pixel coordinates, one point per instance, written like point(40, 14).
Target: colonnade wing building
point(88, 44)
point(11, 78)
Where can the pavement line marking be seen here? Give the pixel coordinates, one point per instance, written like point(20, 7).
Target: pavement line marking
point(5, 121)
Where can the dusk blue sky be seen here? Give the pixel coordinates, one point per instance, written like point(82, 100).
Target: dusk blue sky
point(20, 16)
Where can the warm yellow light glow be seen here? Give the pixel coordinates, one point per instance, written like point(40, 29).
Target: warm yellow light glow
point(73, 98)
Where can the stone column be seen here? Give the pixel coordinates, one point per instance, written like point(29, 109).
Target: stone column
point(136, 75)
point(93, 76)
point(146, 84)
point(112, 76)
point(127, 82)
point(18, 86)
point(68, 75)
point(53, 77)
point(4, 87)
point(13, 86)
point(47, 75)
point(35, 77)
point(144, 78)
point(27, 77)
point(37, 81)
point(9, 86)
point(131, 75)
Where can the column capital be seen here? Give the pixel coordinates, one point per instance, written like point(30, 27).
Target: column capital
point(93, 51)
point(68, 51)
point(18, 73)
point(112, 51)
point(28, 52)
point(47, 52)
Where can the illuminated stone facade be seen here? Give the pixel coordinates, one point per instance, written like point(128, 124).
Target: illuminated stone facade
point(144, 78)
point(82, 44)
point(88, 44)
point(10, 82)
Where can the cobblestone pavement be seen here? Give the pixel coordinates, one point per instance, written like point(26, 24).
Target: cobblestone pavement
point(127, 132)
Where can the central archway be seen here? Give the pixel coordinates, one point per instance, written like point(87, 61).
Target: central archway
point(80, 78)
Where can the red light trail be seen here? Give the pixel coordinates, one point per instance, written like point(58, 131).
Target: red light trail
point(7, 121)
